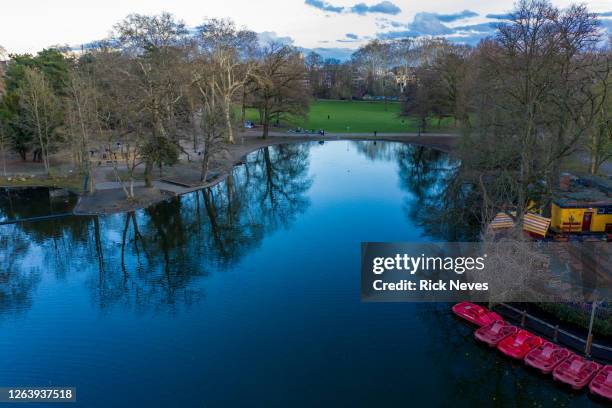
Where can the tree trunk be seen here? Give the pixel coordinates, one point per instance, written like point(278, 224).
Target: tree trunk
point(266, 123)
point(194, 131)
point(92, 182)
point(148, 174)
point(204, 169)
point(3, 153)
point(243, 109)
point(228, 121)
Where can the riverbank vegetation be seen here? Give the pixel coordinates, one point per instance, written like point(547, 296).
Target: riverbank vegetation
point(144, 96)
point(156, 93)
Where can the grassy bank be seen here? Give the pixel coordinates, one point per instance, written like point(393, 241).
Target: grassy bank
point(72, 182)
point(580, 318)
point(356, 117)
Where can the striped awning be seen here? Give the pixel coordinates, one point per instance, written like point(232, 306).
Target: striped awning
point(501, 221)
point(536, 224)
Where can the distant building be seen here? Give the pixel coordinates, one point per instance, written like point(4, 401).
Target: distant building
point(404, 77)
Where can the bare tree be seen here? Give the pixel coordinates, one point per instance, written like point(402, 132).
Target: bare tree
point(229, 50)
point(516, 269)
point(533, 101)
point(599, 136)
point(82, 116)
point(41, 113)
point(281, 87)
point(156, 46)
point(212, 127)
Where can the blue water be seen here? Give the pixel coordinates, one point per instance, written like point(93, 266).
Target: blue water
point(248, 294)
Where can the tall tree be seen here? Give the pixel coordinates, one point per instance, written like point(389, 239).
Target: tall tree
point(281, 86)
point(156, 45)
point(40, 113)
point(230, 51)
point(599, 136)
point(533, 101)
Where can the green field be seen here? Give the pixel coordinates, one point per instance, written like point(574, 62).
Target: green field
point(355, 116)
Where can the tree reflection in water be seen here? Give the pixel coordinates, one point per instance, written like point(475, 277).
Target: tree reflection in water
point(438, 201)
point(17, 279)
point(150, 259)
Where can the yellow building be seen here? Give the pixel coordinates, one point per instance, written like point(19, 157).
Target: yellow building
point(581, 217)
point(584, 206)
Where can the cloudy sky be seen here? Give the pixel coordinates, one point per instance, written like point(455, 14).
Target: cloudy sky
point(331, 26)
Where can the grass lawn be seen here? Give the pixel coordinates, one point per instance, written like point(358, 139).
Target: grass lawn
point(73, 182)
point(355, 116)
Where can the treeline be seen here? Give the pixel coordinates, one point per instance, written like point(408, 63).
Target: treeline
point(525, 99)
point(528, 100)
point(148, 93)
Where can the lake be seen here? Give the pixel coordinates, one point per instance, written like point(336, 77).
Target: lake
point(248, 293)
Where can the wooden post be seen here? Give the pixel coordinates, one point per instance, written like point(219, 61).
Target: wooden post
point(589, 342)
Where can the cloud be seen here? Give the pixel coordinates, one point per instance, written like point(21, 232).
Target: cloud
point(342, 54)
point(472, 34)
point(468, 38)
point(448, 18)
point(422, 24)
point(323, 5)
point(382, 23)
point(504, 16)
point(433, 24)
point(384, 7)
point(478, 28)
point(352, 36)
point(267, 37)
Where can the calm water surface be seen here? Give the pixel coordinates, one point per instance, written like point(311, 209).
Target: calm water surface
point(247, 294)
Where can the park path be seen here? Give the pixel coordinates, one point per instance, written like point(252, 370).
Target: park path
point(183, 178)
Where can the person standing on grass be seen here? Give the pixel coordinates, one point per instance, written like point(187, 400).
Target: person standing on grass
point(375, 133)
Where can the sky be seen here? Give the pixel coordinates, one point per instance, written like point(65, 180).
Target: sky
point(331, 27)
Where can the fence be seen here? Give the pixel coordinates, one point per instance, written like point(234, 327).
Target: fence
point(553, 332)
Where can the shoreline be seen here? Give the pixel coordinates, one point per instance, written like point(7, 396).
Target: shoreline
point(183, 178)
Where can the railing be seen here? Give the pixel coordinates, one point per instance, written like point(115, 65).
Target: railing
point(597, 351)
point(37, 218)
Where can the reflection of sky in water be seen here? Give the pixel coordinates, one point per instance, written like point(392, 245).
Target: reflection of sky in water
point(247, 294)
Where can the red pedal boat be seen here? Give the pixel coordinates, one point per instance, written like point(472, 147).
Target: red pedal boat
point(546, 357)
point(519, 344)
point(478, 315)
point(495, 332)
point(602, 383)
point(576, 371)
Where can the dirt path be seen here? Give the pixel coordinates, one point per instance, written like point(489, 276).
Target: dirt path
point(185, 176)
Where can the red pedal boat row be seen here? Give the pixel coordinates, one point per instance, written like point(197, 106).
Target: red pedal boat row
point(545, 356)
